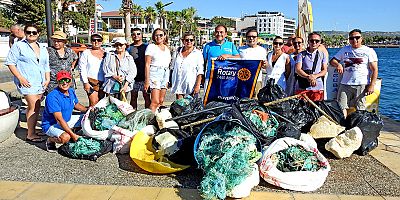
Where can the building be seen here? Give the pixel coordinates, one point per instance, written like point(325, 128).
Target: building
point(275, 23)
point(245, 23)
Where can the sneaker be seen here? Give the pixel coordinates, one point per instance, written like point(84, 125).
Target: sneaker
point(51, 146)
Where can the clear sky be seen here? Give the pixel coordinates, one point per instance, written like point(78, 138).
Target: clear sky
point(341, 15)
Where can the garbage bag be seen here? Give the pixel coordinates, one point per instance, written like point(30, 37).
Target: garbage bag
point(271, 92)
point(138, 120)
point(286, 129)
point(85, 148)
point(182, 148)
point(333, 109)
point(186, 105)
point(370, 124)
point(298, 112)
point(294, 180)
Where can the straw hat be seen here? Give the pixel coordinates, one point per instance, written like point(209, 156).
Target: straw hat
point(59, 35)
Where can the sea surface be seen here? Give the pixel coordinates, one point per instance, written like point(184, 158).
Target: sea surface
point(389, 71)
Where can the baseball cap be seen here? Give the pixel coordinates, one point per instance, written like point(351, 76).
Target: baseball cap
point(120, 40)
point(96, 35)
point(63, 74)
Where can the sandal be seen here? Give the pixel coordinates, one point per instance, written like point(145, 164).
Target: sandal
point(35, 140)
point(40, 134)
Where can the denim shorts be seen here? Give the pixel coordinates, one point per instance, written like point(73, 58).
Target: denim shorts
point(56, 130)
point(159, 77)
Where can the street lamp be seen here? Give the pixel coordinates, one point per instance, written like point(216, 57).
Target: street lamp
point(162, 17)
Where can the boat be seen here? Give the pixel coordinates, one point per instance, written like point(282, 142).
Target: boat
point(9, 116)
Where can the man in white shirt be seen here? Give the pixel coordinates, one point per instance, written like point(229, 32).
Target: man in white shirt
point(252, 51)
point(360, 72)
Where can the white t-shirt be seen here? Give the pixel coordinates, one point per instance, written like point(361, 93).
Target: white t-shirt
point(159, 58)
point(277, 72)
point(90, 66)
point(355, 64)
point(253, 53)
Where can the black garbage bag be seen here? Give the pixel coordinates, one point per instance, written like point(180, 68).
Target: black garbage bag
point(286, 129)
point(333, 109)
point(236, 114)
point(270, 92)
point(186, 105)
point(86, 148)
point(370, 124)
point(184, 152)
point(298, 112)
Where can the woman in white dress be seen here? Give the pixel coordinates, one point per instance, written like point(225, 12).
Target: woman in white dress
point(278, 64)
point(187, 67)
point(157, 58)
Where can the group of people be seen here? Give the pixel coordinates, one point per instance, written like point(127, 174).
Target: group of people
point(40, 71)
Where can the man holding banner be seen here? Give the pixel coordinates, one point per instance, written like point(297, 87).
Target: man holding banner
point(220, 48)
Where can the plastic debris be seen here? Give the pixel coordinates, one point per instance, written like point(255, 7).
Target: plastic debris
point(343, 145)
point(296, 158)
point(105, 118)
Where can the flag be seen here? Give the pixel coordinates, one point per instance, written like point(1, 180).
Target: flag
point(231, 80)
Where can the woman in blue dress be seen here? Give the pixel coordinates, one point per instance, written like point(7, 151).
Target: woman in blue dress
point(29, 63)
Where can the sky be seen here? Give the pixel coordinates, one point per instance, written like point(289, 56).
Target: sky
point(338, 15)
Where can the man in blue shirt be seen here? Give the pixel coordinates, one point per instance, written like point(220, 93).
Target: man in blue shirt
point(220, 48)
point(57, 119)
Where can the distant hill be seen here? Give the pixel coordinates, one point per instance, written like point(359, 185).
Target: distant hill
point(369, 33)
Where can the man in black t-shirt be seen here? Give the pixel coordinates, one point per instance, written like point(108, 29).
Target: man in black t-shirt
point(137, 49)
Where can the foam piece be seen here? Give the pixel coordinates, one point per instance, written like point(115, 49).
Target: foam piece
point(343, 145)
point(324, 128)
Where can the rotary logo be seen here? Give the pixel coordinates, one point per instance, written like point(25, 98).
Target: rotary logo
point(244, 74)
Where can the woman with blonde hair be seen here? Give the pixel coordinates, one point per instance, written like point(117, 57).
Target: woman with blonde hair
point(158, 58)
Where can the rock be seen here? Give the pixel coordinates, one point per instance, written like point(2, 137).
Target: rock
point(324, 128)
point(343, 145)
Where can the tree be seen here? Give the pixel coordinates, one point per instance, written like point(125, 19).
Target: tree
point(149, 15)
point(160, 13)
point(138, 14)
point(6, 19)
point(29, 12)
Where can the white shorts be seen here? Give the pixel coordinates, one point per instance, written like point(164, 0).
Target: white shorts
point(56, 130)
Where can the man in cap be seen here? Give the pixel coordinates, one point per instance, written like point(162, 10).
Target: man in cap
point(60, 58)
point(57, 120)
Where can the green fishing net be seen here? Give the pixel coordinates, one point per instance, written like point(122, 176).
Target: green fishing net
point(268, 127)
point(296, 158)
point(137, 120)
point(84, 146)
point(105, 118)
point(226, 154)
point(184, 101)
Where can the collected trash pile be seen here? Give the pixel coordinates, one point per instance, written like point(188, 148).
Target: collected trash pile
point(275, 138)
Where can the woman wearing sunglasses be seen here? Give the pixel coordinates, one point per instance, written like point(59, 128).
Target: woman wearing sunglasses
point(157, 59)
point(278, 64)
point(91, 70)
point(119, 69)
point(29, 63)
point(187, 67)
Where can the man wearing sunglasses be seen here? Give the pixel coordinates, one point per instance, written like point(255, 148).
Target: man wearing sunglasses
point(137, 50)
point(359, 70)
point(57, 120)
point(311, 67)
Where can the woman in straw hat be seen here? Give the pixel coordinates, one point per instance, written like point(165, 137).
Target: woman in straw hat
point(60, 57)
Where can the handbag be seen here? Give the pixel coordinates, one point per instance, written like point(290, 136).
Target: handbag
point(303, 82)
point(116, 88)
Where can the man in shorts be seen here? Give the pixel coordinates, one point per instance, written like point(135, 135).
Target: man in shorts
point(137, 50)
point(359, 72)
point(57, 120)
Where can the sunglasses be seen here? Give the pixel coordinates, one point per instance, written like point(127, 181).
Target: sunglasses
point(158, 35)
point(355, 37)
point(118, 45)
point(31, 32)
point(97, 40)
point(315, 41)
point(297, 42)
point(278, 43)
point(64, 80)
point(136, 33)
point(189, 40)
point(251, 36)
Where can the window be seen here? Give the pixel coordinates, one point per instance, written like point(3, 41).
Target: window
point(115, 23)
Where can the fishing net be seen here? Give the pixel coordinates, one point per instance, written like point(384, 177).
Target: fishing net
point(296, 158)
point(225, 153)
point(138, 120)
point(84, 146)
point(105, 118)
point(268, 127)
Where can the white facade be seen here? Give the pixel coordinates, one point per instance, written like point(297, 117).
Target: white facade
point(246, 22)
point(275, 23)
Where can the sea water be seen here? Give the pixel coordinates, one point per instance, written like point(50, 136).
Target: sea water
point(389, 71)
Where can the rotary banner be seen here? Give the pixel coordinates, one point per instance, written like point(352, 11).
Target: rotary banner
point(231, 80)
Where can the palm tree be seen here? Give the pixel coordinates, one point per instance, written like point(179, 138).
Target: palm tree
point(137, 12)
point(160, 13)
point(150, 15)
